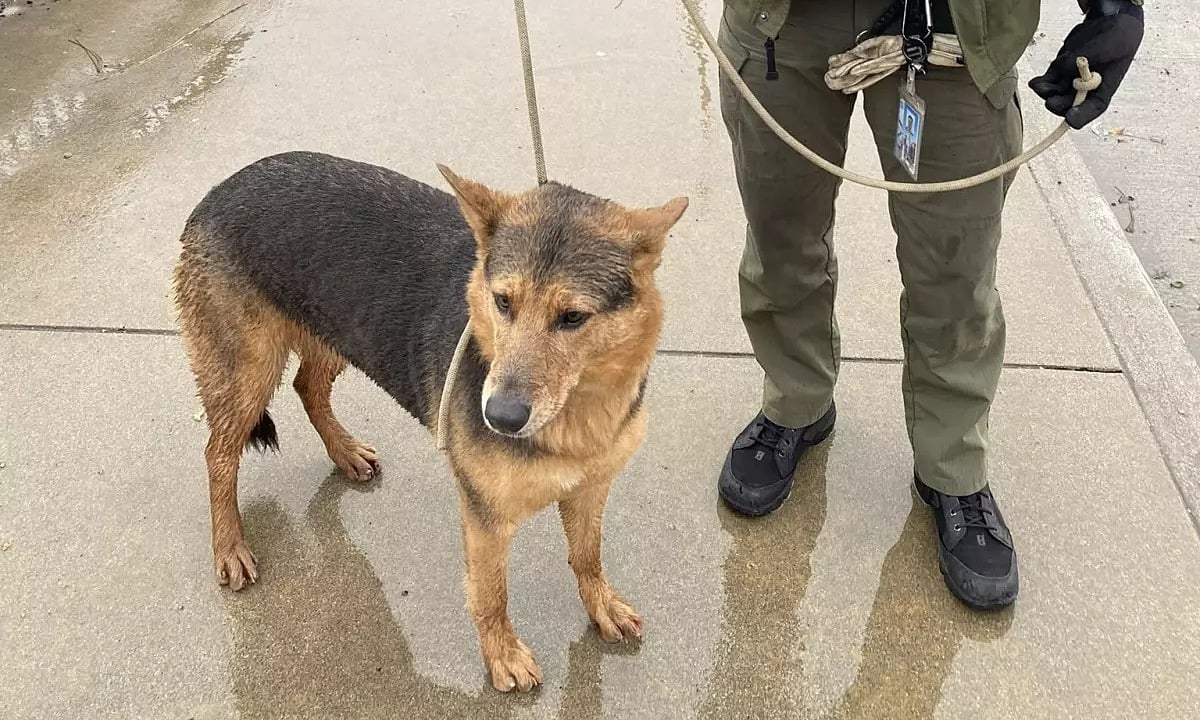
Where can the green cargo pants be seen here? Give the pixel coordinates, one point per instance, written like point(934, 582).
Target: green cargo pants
point(951, 320)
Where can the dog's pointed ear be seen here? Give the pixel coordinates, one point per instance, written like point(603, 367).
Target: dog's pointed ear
point(651, 226)
point(480, 205)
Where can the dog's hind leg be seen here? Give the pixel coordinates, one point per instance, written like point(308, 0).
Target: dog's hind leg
point(319, 367)
point(236, 406)
point(581, 514)
point(237, 348)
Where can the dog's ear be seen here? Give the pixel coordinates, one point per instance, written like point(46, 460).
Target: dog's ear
point(651, 226)
point(481, 206)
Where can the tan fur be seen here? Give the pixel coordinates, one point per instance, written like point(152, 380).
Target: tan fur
point(513, 490)
point(583, 392)
point(238, 346)
point(584, 385)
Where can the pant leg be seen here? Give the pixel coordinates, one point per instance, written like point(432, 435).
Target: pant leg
point(788, 273)
point(952, 321)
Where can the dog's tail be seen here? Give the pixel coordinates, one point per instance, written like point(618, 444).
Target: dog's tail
point(263, 436)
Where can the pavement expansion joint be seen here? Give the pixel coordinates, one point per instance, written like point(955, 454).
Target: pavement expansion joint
point(715, 354)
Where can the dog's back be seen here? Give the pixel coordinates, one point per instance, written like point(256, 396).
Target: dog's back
point(353, 253)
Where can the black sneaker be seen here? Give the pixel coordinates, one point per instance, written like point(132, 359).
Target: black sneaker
point(758, 471)
point(975, 550)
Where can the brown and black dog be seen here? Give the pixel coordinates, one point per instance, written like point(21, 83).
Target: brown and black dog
point(345, 262)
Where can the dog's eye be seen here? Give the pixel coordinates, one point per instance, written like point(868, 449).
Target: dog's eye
point(572, 319)
point(502, 303)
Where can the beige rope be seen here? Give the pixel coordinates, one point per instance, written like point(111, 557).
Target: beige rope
point(539, 160)
point(535, 127)
point(872, 58)
point(1086, 82)
point(448, 386)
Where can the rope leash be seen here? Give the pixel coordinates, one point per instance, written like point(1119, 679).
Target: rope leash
point(539, 162)
point(448, 386)
point(1085, 83)
point(535, 127)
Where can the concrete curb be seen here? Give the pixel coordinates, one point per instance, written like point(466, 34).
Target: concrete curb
point(1153, 354)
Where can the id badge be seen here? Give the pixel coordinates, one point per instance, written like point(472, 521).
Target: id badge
point(910, 126)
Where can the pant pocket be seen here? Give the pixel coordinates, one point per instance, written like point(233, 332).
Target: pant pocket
point(733, 48)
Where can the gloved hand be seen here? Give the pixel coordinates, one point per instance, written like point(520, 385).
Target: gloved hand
point(1109, 37)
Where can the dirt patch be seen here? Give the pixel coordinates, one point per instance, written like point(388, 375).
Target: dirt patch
point(9, 8)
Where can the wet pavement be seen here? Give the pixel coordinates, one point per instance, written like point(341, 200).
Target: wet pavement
point(831, 608)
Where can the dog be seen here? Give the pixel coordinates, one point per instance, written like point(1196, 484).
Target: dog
point(344, 262)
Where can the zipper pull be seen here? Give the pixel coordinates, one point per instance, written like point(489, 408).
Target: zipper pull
point(772, 72)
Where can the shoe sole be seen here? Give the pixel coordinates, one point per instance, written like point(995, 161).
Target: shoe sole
point(727, 478)
point(998, 604)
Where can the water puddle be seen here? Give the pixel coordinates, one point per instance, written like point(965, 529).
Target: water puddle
point(49, 117)
point(694, 40)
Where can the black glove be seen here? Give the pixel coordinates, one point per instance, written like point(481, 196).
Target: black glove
point(1108, 37)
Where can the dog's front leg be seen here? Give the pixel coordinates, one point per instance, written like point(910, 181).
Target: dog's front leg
point(582, 517)
point(509, 662)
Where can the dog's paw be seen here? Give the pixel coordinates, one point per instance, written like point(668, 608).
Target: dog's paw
point(614, 617)
point(513, 667)
point(359, 462)
point(235, 566)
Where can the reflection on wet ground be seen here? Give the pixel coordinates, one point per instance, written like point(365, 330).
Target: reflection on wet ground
point(316, 637)
point(765, 575)
point(914, 631)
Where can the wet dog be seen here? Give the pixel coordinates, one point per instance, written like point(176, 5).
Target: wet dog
point(343, 262)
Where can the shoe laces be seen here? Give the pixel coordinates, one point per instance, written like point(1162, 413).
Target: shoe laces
point(974, 514)
point(767, 433)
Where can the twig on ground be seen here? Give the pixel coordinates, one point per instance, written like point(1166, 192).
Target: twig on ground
point(97, 61)
point(1127, 201)
point(1121, 133)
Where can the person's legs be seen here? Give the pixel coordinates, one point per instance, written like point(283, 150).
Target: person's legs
point(951, 317)
point(952, 321)
point(788, 273)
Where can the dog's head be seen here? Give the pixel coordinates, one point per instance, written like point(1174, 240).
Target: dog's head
point(562, 295)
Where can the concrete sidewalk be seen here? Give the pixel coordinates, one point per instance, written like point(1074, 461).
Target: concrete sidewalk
point(833, 607)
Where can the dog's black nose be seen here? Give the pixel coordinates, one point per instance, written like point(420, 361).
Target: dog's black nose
point(506, 414)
